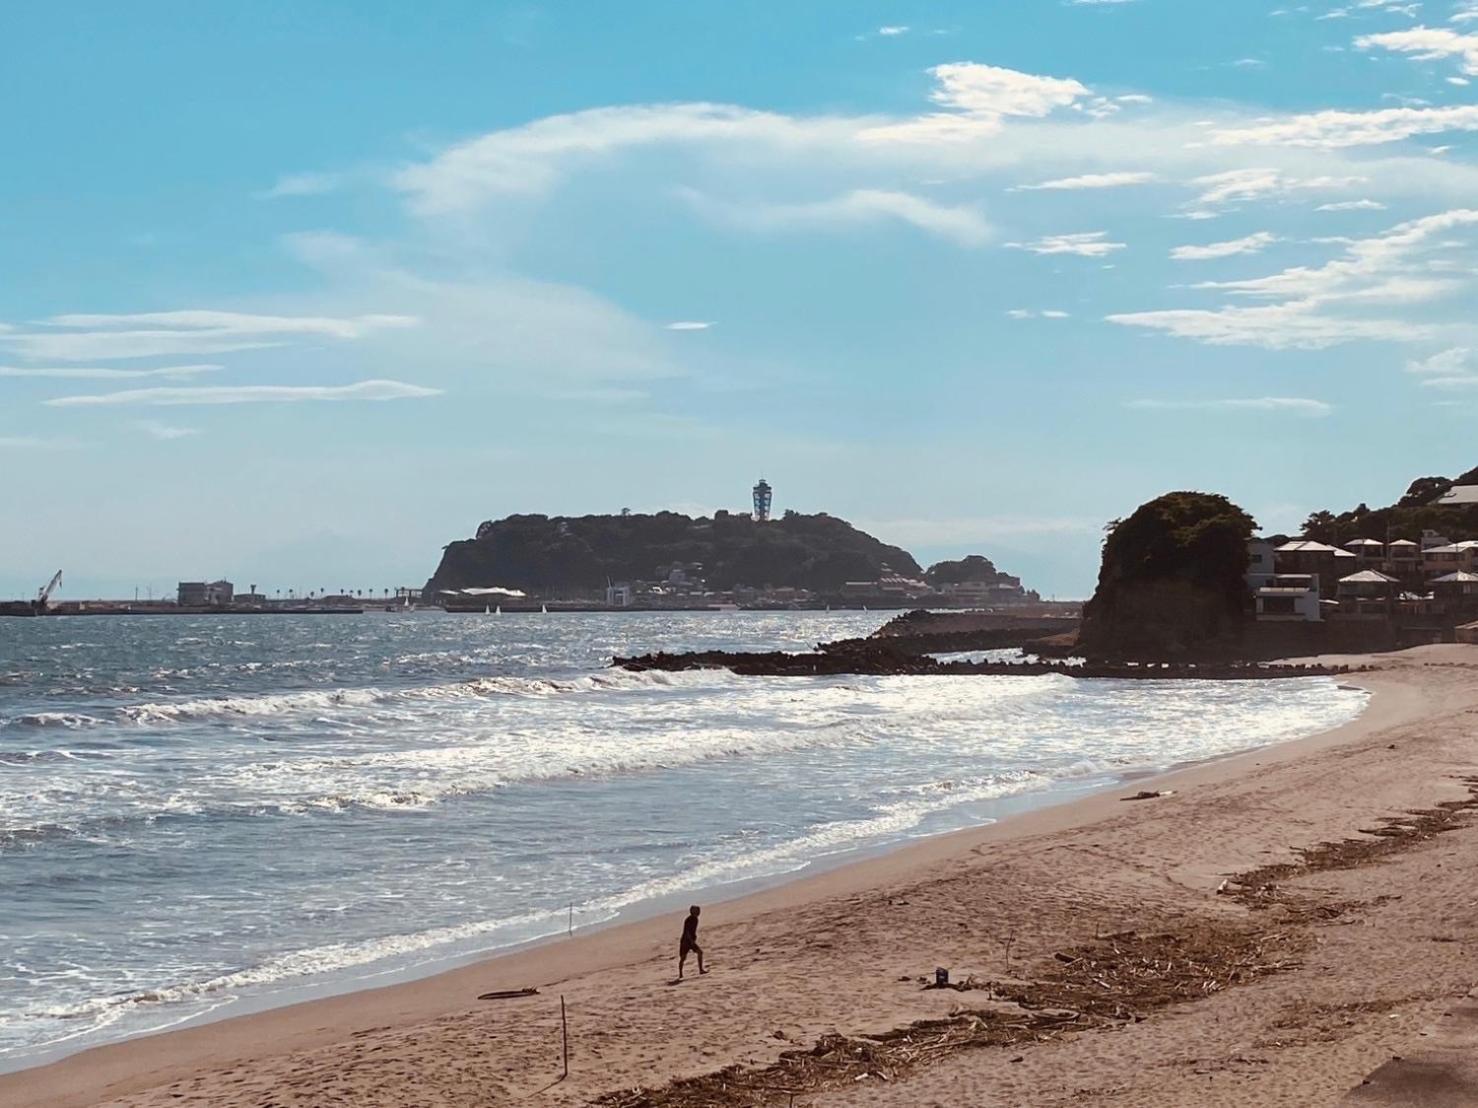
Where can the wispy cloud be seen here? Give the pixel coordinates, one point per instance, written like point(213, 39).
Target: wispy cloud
point(1311, 311)
point(303, 184)
point(165, 432)
point(1352, 206)
point(1252, 244)
point(1084, 244)
point(80, 336)
point(690, 325)
point(1427, 44)
point(1455, 368)
point(1090, 181)
point(1234, 186)
point(1330, 130)
point(1296, 405)
point(250, 394)
point(95, 373)
point(961, 225)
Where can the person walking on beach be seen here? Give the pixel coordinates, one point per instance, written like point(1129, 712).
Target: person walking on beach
point(689, 943)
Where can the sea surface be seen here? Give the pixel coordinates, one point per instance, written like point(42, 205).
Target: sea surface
point(204, 814)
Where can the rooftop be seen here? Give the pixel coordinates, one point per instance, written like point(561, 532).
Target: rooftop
point(1458, 494)
point(1368, 577)
point(1310, 546)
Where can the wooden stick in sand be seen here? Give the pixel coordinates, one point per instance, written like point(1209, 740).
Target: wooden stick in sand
point(564, 1032)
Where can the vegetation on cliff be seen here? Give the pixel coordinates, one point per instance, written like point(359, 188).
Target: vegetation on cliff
point(1405, 519)
point(549, 555)
point(973, 569)
point(1172, 582)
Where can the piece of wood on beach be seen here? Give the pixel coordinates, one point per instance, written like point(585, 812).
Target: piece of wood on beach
point(508, 994)
point(1146, 794)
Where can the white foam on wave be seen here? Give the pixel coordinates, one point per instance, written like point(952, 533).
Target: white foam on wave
point(311, 701)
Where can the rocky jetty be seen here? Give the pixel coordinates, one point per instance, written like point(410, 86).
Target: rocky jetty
point(884, 663)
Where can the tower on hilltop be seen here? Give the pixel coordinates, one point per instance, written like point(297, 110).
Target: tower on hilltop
point(763, 495)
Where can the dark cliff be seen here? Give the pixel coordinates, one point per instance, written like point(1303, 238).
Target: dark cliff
point(558, 555)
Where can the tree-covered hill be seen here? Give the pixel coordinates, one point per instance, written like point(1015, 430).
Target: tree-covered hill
point(1407, 518)
point(975, 568)
point(558, 555)
point(1172, 582)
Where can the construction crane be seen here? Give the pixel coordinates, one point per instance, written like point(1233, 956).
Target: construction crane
point(43, 596)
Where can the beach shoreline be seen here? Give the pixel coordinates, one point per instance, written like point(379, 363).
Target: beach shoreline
point(229, 1061)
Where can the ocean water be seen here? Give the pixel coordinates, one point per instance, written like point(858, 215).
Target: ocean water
point(201, 813)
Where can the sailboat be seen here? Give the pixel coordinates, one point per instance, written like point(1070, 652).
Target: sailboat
point(544, 608)
point(499, 611)
point(486, 610)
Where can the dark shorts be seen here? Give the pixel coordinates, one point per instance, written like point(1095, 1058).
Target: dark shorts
point(688, 946)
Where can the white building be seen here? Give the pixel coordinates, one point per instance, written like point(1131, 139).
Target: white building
point(1290, 598)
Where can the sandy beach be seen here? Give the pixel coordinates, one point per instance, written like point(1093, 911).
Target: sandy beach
point(1165, 951)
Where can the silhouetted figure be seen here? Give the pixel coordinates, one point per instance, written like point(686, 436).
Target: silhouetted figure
point(689, 942)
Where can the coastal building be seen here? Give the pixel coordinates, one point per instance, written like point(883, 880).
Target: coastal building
point(1468, 633)
point(619, 596)
point(1261, 563)
point(1460, 586)
point(1454, 556)
point(1325, 563)
point(1369, 552)
point(982, 593)
point(1368, 592)
point(204, 594)
point(1403, 557)
point(1290, 598)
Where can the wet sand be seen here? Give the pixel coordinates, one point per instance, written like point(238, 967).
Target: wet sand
point(1379, 950)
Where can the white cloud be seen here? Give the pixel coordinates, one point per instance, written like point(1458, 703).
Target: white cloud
point(1352, 206)
point(1294, 404)
point(1252, 244)
point(994, 92)
point(1427, 44)
point(163, 431)
point(87, 336)
point(1447, 363)
point(1455, 368)
point(963, 226)
point(1090, 181)
point(1045, 313)
point(1395, 267)
point(95, 373)
point(1293, 326)
point(892, 30)
point(1331, 130)
point(1254, 183)
point(250, 394)
point(303, 184)
point(1084, 244)
point(690, 325)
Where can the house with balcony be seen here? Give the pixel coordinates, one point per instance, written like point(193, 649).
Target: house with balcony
point(1290, 598)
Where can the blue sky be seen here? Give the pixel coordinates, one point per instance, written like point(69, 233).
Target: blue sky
point(296, 293)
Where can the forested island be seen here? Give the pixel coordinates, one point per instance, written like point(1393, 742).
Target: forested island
point(819, 554)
